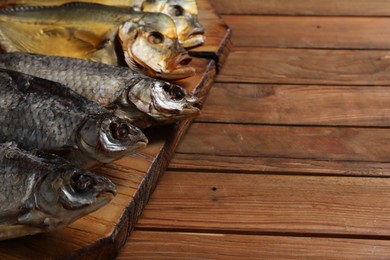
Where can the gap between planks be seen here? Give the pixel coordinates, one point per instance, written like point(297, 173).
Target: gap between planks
point(319, 143)
point(280, 166)
point(221, 246)
point(304, 7)
point(270, 204)
point(298, 105)
point(310, 32)
point(306, 66)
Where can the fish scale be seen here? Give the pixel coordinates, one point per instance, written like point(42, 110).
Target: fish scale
point(25, 121)
point(141, 100)
point(46, 115)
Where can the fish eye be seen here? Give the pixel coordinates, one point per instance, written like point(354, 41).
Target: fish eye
point(120, 131)
point(176, 10)
point(175, 92)
point(155, 38)
point(82, 183)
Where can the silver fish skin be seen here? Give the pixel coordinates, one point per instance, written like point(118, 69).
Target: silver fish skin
point(43, 192)
point(141, 100)
point(42, 114)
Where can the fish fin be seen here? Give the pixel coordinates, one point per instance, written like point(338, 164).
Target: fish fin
point(13, 231)
point(104, 47)
point(106, 54)
point(133, 65)
point(21, 8)
point(9, 218)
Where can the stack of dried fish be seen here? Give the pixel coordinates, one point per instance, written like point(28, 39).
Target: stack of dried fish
point(42, 114)
point(69, 107)
point(39, 114)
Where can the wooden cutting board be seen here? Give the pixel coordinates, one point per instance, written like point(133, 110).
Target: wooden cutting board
point(102, 233)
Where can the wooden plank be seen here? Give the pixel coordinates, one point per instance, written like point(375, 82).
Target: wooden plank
point(310, 32)
point(319, 143)
point(305, 7)
point(298, 105)
point(217, 32)
point(251, 165)
point(179, 245)
point(270, 204)
point(303, 66)
point(101, 234)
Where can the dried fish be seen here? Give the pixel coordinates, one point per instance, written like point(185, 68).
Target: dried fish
point(183, 12)
point(42, 192)
point(185, 15)
point(37, 113)
point(139, 99)
point(147, 42)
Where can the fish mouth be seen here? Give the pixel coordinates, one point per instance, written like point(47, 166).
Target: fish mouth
point(109, 192)
point(86, 192)
point(105, 196)
point(106, 186)
point(195, 38)
point(193, 41)
point(173, 101)
point(119, 136)
point(178, 68)
point(180, 71)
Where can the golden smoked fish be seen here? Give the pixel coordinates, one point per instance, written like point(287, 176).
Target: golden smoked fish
point(183, 12)
point(147, 42)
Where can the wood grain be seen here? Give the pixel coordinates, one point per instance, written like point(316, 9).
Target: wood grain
point(310, 32)
point(298, 105)
point(179, 245)
point(320, 143)
point(260, 165)
point(305, 7)
point(270, 204)
point(289, 158)
point(303, 66)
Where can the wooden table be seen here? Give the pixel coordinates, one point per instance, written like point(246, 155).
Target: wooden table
point(290, 157)
point(101, 234)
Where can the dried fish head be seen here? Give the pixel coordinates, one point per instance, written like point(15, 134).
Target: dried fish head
point(163, 101)
point(107, 140)
point(41, 192)
point(70, 195)
point(185, 15)
point(150, 45)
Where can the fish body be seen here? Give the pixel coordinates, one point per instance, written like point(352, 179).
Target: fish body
point(183, 12)
point(146, 42)
point(41, 114)
point(42, 192)
point(139, 99)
